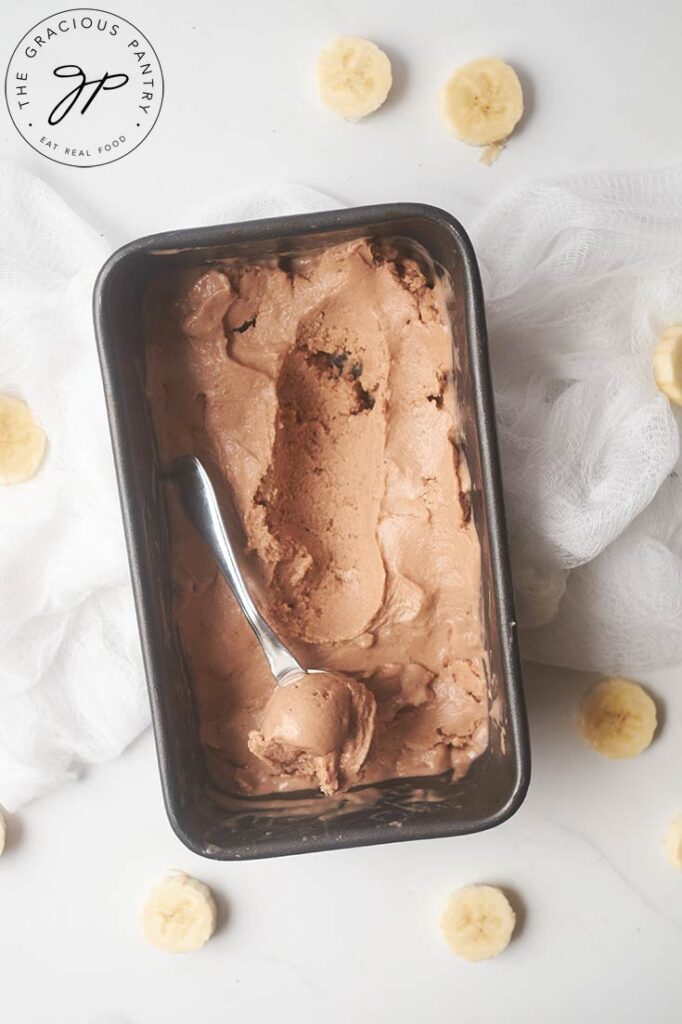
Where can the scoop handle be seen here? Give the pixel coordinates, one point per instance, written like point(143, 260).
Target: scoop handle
point(201, 506)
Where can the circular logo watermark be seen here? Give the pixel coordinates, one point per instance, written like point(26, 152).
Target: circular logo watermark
point(84, 87)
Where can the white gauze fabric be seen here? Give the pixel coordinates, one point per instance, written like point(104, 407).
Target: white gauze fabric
point(70, 671)
point(580, 276)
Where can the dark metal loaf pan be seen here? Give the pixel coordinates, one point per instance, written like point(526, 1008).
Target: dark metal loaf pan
point(403, 809)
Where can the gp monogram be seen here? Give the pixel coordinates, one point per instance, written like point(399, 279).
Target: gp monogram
point(84, 87)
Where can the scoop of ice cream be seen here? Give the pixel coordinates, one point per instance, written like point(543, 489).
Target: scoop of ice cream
point(321, 727)
point(312, 714)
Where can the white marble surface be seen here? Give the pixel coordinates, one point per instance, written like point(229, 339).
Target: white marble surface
point(353, 935)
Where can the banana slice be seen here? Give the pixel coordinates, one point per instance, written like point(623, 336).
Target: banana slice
point(478, 922)
point(672, 842)
point(482, 102)
point(354, 77)
point(668, 363)
point(22, 442)
point(618, 718)
point(179, 914)
point(3, 833)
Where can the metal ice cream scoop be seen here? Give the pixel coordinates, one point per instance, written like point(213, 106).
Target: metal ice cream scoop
point(201, 505)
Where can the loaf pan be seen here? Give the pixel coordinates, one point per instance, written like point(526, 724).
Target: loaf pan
point(207, 821)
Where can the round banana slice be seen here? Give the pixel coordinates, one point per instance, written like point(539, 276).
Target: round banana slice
point(22, 442)
point(3, 833)
point(354, 77)
point(672, 842)
point(179, 914)
point(478, 922)
point(618, 718)
point(482, 102)
point(668, 363)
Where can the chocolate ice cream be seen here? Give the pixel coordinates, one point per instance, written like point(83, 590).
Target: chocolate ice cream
point(319, 392)
point(320, 726)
